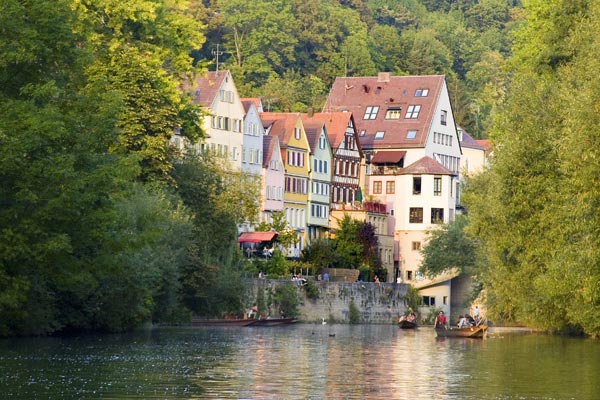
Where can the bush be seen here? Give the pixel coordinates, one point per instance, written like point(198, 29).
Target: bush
point(353, 313)
point(277, 265)
point(286, 299)
point(312, 292)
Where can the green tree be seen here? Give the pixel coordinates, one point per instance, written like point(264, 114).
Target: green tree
point(449, 247)
point(534, 212)
point(141, 51)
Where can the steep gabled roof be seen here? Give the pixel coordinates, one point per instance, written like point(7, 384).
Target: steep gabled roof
point(280, 125)
point(355, 94)
point(335, 126)
point(467, 140)
point(312, 128)
point(206, 86)
point(426, 166)
point(270, 143)
point(246, 101)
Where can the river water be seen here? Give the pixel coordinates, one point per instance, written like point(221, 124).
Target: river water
point(301, 361)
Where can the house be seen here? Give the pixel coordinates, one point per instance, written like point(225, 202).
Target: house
point(320, 161)
point(252, 140)
point(347, 167)
point(272, 179)
point(295, 152)
point(412, 154)
point(475, 156)
point(215, 91)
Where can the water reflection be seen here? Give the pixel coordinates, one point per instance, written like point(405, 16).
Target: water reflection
point(299, 362)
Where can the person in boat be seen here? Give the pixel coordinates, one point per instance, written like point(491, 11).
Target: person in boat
point(462, 322)
point(470, 320)
point(440, 320)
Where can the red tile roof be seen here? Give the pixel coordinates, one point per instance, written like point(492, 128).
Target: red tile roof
point(388, 157)
point(280, 124)
point(355, 94)
point(246, 101)
point(426, 166)
point(335, 127)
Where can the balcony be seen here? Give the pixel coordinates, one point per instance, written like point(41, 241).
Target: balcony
point(384, 170)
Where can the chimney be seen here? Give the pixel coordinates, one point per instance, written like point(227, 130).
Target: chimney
point(310, 112)
point(383, 77)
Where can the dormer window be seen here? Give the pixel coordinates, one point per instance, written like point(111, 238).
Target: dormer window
point(413, 112)
point(393, 113)
point(371, 112)
point(379, 134)
point(362, 133)
point(411, 134)
point(421, 92)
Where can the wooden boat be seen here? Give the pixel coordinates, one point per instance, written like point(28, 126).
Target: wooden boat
point(273, 321)
point(406, 324)
point(223, 322)
point(469, 332)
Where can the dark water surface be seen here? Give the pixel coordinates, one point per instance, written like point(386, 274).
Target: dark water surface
point(299, 362)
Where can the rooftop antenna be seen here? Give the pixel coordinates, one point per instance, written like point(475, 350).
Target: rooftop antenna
point(217, 53)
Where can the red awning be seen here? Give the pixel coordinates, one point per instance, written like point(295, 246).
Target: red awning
point(388, 157)
point(256, 237)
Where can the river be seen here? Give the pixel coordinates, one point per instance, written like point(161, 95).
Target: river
point(301, 361)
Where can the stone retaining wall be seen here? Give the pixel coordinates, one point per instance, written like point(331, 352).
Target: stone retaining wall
point(378, 303)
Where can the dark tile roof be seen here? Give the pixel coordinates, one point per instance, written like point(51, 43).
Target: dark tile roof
point(206, 86)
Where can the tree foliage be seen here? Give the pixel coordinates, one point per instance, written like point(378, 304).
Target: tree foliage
point(300, 47)
point(535, 211)
point(91, 237)
point(449, 247)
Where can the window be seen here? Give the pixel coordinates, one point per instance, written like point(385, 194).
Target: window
point(377, 187)
point(429, 301)
point(443, 117)
point(409, 275)
point(416, 185)
point(421, 92)
point(437, 186)
point(362, 133)
point(390, 187)
point(322, 142)
point(416, 246)
point(379, 134)
point(371, 112)
point(413, 112)
point(416, 215)
point(393, 113)
point(297, 133)
point(437, 215)
point(411, 134)
point(445, 300)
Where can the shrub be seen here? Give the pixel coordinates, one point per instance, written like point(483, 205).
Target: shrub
point(353, 313)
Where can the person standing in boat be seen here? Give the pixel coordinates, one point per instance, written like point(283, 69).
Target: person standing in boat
point(440, 320)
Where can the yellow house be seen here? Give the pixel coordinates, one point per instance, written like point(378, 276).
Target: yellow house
point(295, 152)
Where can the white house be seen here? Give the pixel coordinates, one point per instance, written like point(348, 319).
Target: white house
point(407, 132)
